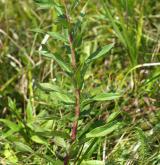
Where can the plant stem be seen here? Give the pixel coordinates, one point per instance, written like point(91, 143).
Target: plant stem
point(74, 65)
point(66, 160)
point(77, 113)
point(77, 90)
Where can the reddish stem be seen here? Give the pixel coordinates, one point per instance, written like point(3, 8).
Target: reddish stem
point(66, 160)
point(77, 113)
point(77, 90)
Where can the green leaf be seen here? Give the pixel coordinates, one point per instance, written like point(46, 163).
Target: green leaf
point(104, 130)
point(100, 97)
point(62, 64)
point(62, 97)
point(86, 102)
point(62, 21)
point(106, 96)
point(113, 116)
point(58, 59)
point(89, 149)
point(100, 52)
point(49, 87)
point(53, 133)
point(10, 124)
point(29, 111)
point(47, 4)
point(12, 104)
point(38, 140)
point(23, 147)
point(92, 162)
point(58, 36)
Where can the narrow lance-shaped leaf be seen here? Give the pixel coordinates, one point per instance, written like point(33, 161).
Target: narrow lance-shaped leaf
point(58, 59)
point(91, 146)
point(58, 36)
point(54, 35)
point(61, 62)
point(49, 87)
point(47, 4)
point(104, 130)
point(29, 111)
point(113, 116)
point(100, 52)
point(63, 97)
point(13, 126)
point(100, 97)
point(22, 147)
point(39, 140)
point(61, 134)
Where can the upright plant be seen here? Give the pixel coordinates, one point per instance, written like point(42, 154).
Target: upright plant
point(70, 33)
point(47, 130)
